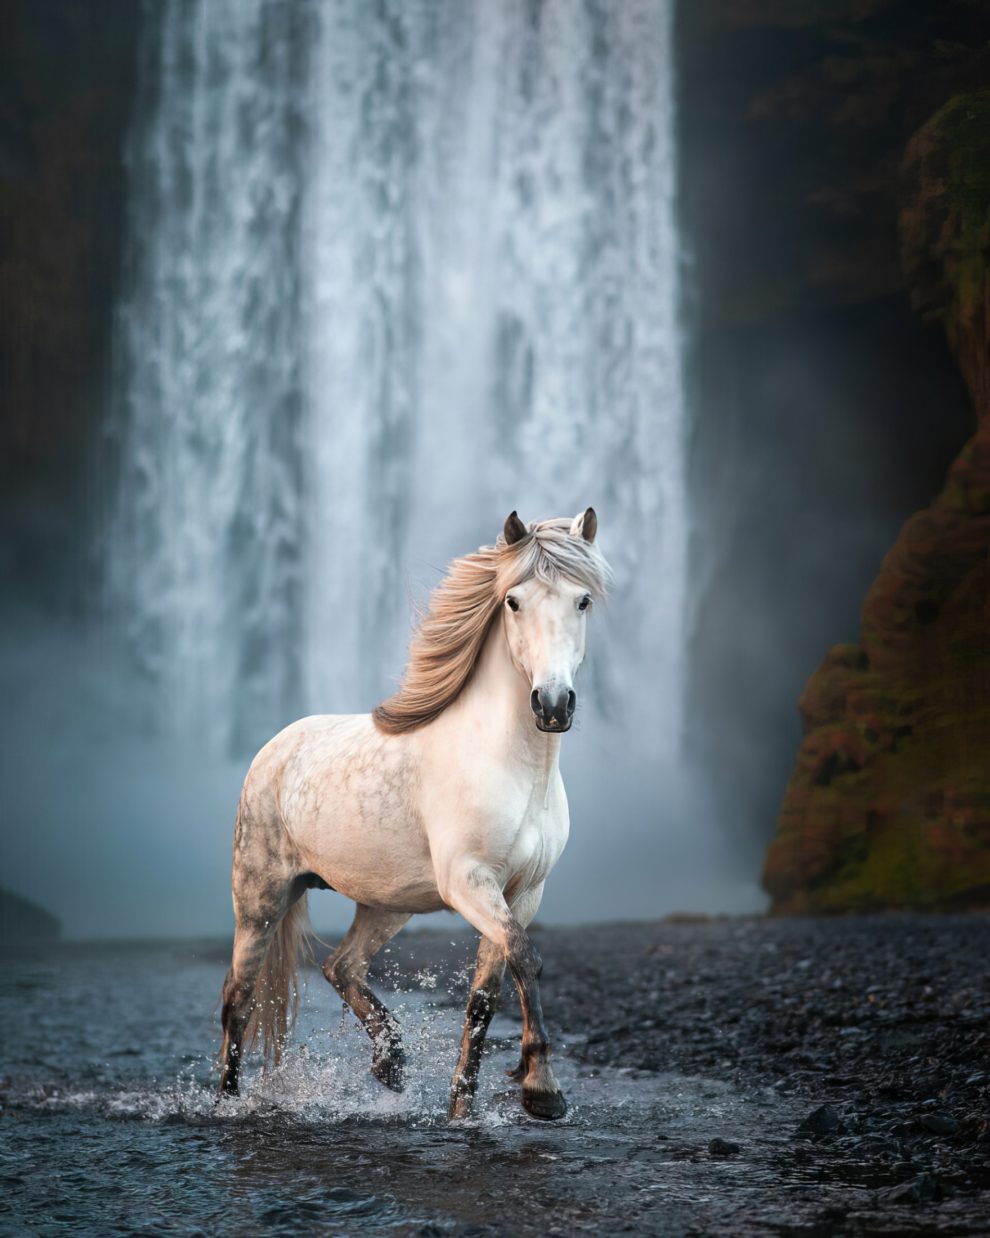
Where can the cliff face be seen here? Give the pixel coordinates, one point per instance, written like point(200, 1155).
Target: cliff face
point(66, 83)
point(889, 802)
point(826, 408)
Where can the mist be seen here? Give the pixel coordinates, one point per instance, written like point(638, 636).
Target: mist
point(126, 832)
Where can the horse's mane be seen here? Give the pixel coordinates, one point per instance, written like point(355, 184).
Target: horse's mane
point(450, 636)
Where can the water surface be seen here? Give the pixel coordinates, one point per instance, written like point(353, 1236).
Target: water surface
point(109, 1123)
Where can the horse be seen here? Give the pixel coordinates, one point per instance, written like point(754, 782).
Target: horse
point(448, 796)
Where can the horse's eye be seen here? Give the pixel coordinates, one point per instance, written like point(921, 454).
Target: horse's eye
point(512, 603)
point(584, 603)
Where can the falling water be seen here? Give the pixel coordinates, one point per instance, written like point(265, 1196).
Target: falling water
point(396, 269)
point(205, 545)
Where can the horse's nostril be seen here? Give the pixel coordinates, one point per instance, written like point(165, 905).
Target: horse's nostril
point(571, 702)
point(534, 702)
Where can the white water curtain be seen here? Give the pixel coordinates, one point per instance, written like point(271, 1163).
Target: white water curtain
point(394, 269)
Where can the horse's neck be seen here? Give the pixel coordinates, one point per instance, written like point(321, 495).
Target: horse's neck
point(495, 707)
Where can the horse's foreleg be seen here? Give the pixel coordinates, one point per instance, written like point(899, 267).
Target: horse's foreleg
point(485, 989)
point(347, 971)
point(542, 1096)
point(476, 894)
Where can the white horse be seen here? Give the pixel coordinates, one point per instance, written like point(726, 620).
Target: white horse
point(448, 796)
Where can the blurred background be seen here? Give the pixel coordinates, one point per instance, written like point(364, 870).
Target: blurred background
point(301, 299)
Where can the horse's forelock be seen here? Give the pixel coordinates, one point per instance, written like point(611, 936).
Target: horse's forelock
point(551, 552)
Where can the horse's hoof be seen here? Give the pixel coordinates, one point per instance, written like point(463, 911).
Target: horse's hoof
point(518, 1073)
point(460, 1108)
point(549, 1106)
point(390, 1071)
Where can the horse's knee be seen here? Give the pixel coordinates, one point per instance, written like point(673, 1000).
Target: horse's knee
point(336, 971)
point(534, 961)
point(481, 1006)
point(345, 977)
point(524, 958)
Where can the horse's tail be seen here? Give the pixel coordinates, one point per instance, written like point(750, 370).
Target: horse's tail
point(277, 989)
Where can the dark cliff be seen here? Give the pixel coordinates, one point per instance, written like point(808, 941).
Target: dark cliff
point(873, 122)
point(66, 87)
point(889, 803)
point(832, 394)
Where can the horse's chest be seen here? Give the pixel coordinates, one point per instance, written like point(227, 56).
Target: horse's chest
point(535, 848)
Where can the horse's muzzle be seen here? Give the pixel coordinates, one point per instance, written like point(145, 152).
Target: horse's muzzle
point(553, 710)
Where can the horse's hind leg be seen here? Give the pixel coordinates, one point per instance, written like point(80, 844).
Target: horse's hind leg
point(347, 971)
point(260, 906)
point(251, 942)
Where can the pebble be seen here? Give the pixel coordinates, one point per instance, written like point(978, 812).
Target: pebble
point(821, 1123)
point(924, 1189)
point(728, 1008)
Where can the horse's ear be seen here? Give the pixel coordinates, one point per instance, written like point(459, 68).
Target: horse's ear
point(514, 529)
point(585, 525)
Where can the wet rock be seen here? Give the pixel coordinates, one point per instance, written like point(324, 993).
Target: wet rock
point(821, 1123)
point(787, 1020)
point(939, 1124)
point(925, 1189)
point(870, 1145)
point(723, 1147)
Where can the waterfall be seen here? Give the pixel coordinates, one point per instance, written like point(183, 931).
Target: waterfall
point(205, 540)
point(395, 269)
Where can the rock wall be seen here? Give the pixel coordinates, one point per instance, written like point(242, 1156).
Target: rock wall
point(889, 802)
point(825, 408)
point(67, 74)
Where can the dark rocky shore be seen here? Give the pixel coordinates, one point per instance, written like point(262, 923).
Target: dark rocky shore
point(876, 1029)
point(741, 1076)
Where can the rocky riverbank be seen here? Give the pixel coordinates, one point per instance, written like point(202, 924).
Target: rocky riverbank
point(876, 1028)
point(743, 1077)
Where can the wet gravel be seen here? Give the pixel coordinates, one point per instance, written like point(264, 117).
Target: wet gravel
point(876, 1028)
point(737, 1076)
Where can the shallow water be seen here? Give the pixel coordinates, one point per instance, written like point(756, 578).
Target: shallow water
point(109, 1123)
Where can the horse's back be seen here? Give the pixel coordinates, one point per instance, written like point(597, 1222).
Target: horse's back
point(316, 730)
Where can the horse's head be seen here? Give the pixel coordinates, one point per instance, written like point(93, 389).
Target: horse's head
point(545, 613)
